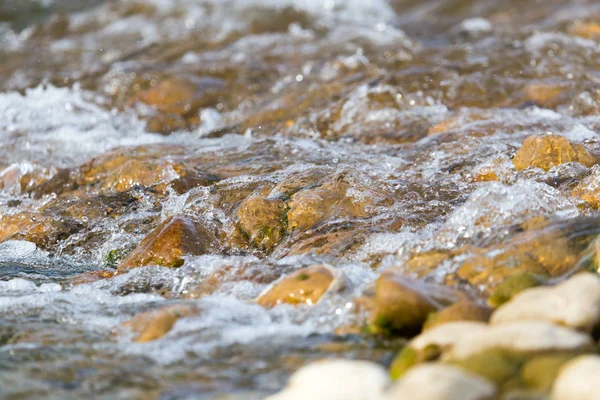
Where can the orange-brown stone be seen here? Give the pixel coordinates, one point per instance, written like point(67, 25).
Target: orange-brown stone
point(154, 324)
point(263, 220)
point(549, 151)
point(305, 286)
point(168, 244)
point(90, 277)
point(460, 311)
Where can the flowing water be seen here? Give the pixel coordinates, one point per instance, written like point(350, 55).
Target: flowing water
point(409, 107)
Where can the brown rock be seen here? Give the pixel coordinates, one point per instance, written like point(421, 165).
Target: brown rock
point(263, 220)
point(587, 30)
point(425, 263)
point(305, 286)
point(334, 243)
point(543, 94)
point(588, 190)
point(154, 324)
point(40, 228)
point(90, 277)
point(455, 122)
point(173, 96)
point(548, 151)
point(311, 207)
point(168, 243)
point(402, 304)
point(62, 181)
point(297, 181)
point(156, 167)
point(459, 311)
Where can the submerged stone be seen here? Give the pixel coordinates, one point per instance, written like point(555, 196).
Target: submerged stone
point(541, 371)
point(548, 151)
point(305, 286)
point(585, 29)
point(154, 324)
point(574, 303)
point(497, 365)
point(90, 277)
point(459, 311)
point(588, 190)
point(126, 168)
point(512, 286)
point(166, 245)
point(401, 304)
point(341, 198)
point(263, 220)
point(43, 229)
point(335, 243)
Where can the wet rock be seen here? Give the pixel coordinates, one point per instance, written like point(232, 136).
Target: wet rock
point(166, 245)
point(263, 220)
point(335, 243)
point(172, 101)
point(440, 382)
point(154, 324)
point(456, 122)
point(297, 181)
point(512, 286)
point(311, 207)
point(42, 229)
point(423, 263)
point(541, 371)
point(337, 199)
point(88, 210)
point(544, 94)
point(410, 356)
point(234, 272)
point(459, 311)
point(156, 175)
point(578, 380)
point(550, 252)
point(305, 286)
point(402, 304)
point(90, 277)
point(494, 208)
point(63, 180)
point(168, 95)
point(585, 103)
point(335, 380)
point(461, 340)
point(498, 365)
point(526, 337)
point(498, 169)
point(548, 151)
point(588, 190)
point(155, 167)
point(574, 303)
point(585, 29)
point(444, 337)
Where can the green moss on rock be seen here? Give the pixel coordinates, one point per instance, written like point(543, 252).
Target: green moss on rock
point(512, 286)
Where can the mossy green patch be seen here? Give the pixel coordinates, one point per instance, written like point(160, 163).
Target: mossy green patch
point(113, 258)
point(511, 287)
point(405, 359)
point(497, 365)
point(540, 371)
point(408, 357)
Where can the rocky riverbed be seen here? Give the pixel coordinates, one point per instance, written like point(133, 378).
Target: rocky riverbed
point(299, 199)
